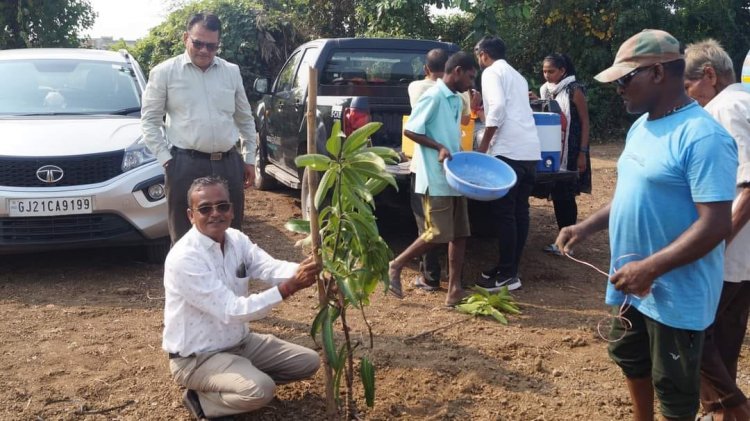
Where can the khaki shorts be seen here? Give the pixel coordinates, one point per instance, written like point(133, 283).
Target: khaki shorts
point(445, 219)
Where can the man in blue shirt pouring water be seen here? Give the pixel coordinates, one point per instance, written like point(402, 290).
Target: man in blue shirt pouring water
point(668, 218)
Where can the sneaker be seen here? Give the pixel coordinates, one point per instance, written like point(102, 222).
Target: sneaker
point(490, 273)
point(494, 284)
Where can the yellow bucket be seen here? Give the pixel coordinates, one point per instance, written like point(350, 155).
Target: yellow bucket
point(467, 138)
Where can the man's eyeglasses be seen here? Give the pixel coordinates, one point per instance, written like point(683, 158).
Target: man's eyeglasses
point(206, 210)
point(210, 46)
point(623, 81)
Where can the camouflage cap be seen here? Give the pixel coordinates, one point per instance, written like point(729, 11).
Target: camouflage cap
point(645, 48)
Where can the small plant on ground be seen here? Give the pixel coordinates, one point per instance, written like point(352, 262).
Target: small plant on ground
point(355, 258)
point(485, 303)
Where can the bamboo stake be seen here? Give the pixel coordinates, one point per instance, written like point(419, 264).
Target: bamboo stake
point(312, 179)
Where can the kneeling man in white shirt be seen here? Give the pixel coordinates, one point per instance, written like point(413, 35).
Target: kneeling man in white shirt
point(226, 368)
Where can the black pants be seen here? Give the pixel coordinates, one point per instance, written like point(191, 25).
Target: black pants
point(186, 167)
point(511, 217)
point(722, 349)
point(429, 264)
point(564, 202)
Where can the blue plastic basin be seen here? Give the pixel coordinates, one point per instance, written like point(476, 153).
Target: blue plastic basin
point(479, 176)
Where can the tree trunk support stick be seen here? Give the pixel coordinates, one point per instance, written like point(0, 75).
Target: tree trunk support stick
point(312, 106)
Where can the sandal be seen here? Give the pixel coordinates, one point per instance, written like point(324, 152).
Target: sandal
point(394, 282)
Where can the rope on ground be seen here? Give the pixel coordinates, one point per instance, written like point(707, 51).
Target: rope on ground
point(429, 332)
point(81, 411)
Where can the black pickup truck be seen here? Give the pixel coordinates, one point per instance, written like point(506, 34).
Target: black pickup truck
point(359, 80)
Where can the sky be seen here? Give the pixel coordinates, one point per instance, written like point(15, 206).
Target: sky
point(127, 19)
point(132, 19)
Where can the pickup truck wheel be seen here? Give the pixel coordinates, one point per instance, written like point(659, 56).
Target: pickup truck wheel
point(263, 181)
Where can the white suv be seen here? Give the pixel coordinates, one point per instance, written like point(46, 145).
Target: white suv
point(74, 171)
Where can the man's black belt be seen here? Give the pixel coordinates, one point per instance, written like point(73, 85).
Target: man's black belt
point(173, 356)
point(213, 156)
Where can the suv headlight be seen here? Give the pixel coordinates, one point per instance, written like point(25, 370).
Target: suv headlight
point(136, 155)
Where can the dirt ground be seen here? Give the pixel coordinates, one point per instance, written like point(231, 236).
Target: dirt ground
point(81, 333)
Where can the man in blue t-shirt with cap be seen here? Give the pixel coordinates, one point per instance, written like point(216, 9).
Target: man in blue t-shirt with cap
point(667, 222)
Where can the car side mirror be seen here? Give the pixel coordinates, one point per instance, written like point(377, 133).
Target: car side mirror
point(261, 85)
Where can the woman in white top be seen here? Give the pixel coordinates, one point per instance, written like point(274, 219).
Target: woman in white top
point(563, 87)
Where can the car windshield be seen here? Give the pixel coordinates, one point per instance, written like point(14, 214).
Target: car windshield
point(61, 87)
point(377, 67)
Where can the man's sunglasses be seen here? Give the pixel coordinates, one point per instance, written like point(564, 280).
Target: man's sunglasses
point(219, 207)
point(210, 46)
point(623, 81)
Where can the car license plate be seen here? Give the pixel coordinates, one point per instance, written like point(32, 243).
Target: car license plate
point(50, 206)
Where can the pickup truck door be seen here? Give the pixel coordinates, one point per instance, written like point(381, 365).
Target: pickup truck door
point(288, 105)
point(278, 119)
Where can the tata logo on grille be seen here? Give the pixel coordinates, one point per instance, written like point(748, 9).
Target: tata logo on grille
point(49, 174)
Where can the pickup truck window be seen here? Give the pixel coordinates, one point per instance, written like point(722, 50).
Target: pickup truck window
point(300, 82)
point(375, 67)
point(286, 76)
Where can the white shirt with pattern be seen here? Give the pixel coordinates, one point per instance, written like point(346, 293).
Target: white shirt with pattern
point(205, 111)
point(207, 305)
point(731, 107)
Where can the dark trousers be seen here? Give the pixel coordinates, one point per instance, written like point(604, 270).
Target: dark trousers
point(186, 167)
point(429, 264)
point(722, 349)
point(510, 214)
point(564, 202)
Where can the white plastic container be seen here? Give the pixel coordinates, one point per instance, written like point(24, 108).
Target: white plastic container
point(550, 136)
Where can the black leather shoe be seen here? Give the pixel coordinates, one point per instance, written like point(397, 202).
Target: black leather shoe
point(193, 404)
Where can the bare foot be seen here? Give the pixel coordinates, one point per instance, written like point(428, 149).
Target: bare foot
point(455, 297)
point(394, 278)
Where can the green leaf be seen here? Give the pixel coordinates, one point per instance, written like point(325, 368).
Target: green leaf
point(499, 316)
point(369, 158)
point(300, 226)
point(315, 328)
point(376, 185)
point(367, 374)
point(333, 144)
point(328, 344)
point(347, 290)
point(385, 153)
point(314, 161)
point(323, 187)
point(359, 137)
point(338, 371)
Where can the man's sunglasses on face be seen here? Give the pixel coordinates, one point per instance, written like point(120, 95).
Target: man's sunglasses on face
point(623, 81)
point(210, 46)
point(206, 210)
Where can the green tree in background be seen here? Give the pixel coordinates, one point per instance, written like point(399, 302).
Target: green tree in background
point(257, 39)
point(48, 23)
point(259, 34)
